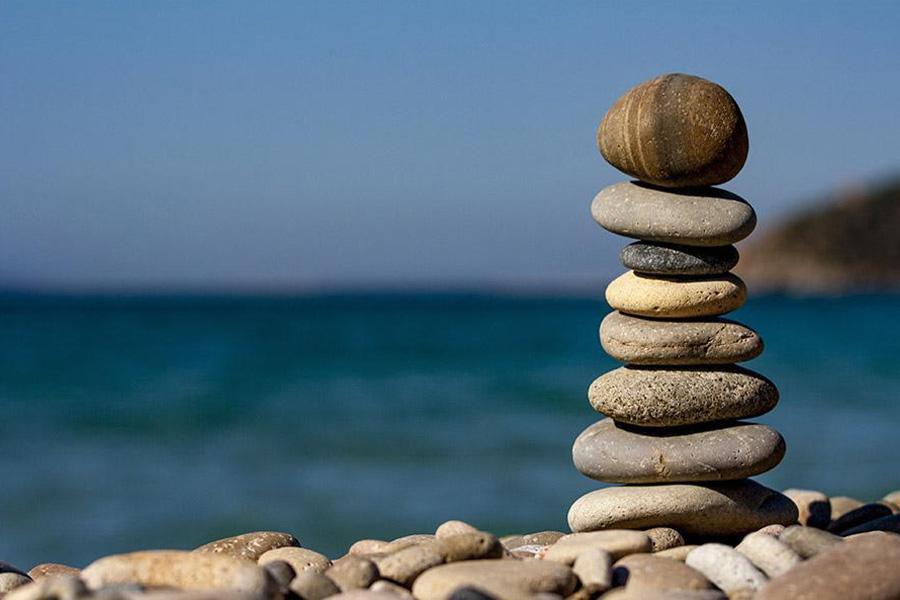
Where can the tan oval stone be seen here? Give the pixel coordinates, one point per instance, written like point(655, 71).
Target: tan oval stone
point(669, 298)
point(449, 528)
point(675, 130)
point(618, 543)
point(643, 341)
point(507, 579)
point(405, 565)
point(728, 508)
point(177, 568)
point(469, 546)
point(730, 570)
point(301, 559)
point(593, 567)
point(249, 546)
point(843, 504)
point(676, 553)
point(618, 453)
point(663, 538)
point(813, 506)
point(400, 593)
point(353, 572)
point(807, 541)
point(769, 554)
point(369, 547)
point(650, 573)
point(52, 570)
point(667, 397)
point(864, 567)
point(310, 585)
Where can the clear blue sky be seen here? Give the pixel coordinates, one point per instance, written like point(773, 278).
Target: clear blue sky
point(299, 144)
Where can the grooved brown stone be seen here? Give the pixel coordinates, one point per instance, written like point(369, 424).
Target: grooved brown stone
point(675, 130)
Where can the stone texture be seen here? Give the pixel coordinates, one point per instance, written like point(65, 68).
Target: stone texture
point(618, 453)
point(180, 569)
point(649, 573)
point(730, 570)
point(405, 565)
point(666, 397)
point(507, 579)
point(672, 259)
point(858, 516)
point(249, 546)
point(769, 554)
point(893, 497)
point(61, 587)
point(362, 547)
point(11, 578)
point(52, 570)
point(311, 585)
point(728, 508)
point(808, 541)
point(859, 568)
point(449, 528)
point(301, 559)
point(813, 506)
point(400, 593)
point(647, 341)
point(469, 546)
point(353, 572)
point(543, 538)
point(675, 130)
point(668, 298)
point(663, 538)
point(617, 543)
point(593, 567)
point(676, 553)
point(707, 217)
point(842, 504)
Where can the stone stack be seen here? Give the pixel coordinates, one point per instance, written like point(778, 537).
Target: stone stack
point(672, 433)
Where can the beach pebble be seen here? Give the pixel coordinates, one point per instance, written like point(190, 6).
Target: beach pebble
point(470, 593)
point(542, 538)
point(281, 572)
point(643, 341)
point(813, 506)
point(808, 541)
point(671, 259)
point(727, 508)
point(405, 565)
point(676, 553)
point(449, 528)
point(507, 579)
point(310, 585)
point(730, 570)
point(368, 547)
point(51, 570)
point(60, 587)
point(527, 551)
point(770, 555)
point(364, 595)
point(893, 498)
point(383, 585)
point(649, 573)
point(666, 397)
point(668, 298)
point(626, 594)
point(180, 569)
point(663, 538)
point(886, 523)
point(10, 581)
point(593, 567)
point(707, 217)
point(618, 453)
point(774, 529)
point(842, 504)
point(675, 130)
point(301, 559)
point(859, 568)
point(859, 515)
point(617, 542)
point(249, 546)
point(469, 546)
point(353, 572)
point(512, 541)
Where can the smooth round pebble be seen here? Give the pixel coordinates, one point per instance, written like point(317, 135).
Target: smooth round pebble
point(650, 573)
point(249, 546)
point(705, 218)
point(51, 570)
point(353, 573)
point(383, 585)
point(655, 297)
point(893, 497)
point(663, 538)
point(666, 397)
point(770, 555)
point(864, 568)
point(405, 565)
point(311, 585)
point(654, 258)
point(469, 546)
point(843, 504)
point(618, 453)
point(675, 130)
point(301, 559)
point(808, 541)
point(646, 341)
point(726, 567)
point(814, 507)
point(508, 579)
point(449, 528)
point(593, 567)
point(617, 542)
point(727, 508)
point(676, 553)
point(362, 547)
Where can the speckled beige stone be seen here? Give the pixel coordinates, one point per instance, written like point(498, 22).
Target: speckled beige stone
point(353, 573)
point(249, 546)
point(645, 341)
point(52, 570)
point(508, 579)
point(405, 565)
point(454, 527)
point(669, 397)
point(663, 538)
point(728, 508)
point(669, 298)
point(730, 570)
point(301, 559)
point(769, 554)
point(469, 546)
point(180, 569)
point(617, 542)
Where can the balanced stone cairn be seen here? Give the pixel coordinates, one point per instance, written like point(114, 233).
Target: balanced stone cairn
point(672, 433)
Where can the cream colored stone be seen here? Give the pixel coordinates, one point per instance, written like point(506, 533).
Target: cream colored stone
point(249, 546)
point(593, 567)
point(617, 542)
point(769, 554)
point(301, 559)
point(669, 298)
point(449, 528)
point(730, 570)
point(507, 579)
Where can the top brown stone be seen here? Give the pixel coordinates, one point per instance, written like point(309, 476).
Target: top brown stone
point(675, 131)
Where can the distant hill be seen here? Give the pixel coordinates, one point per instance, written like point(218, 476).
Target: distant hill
point(847, 243)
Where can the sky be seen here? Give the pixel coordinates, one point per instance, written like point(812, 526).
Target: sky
point(332, 145)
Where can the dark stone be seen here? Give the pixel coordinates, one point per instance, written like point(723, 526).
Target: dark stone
point(672, 259)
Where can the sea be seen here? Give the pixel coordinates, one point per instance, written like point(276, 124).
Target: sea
point(144, 422)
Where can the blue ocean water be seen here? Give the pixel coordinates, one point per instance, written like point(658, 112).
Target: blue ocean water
point(167, 422)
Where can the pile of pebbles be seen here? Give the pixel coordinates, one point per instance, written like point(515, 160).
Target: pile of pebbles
point(839, 549)
point(672, 433)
